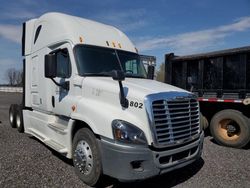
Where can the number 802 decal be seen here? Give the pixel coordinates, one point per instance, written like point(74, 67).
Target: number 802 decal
point(135, 104)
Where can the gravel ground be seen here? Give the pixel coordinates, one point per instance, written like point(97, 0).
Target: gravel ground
point(26, 162)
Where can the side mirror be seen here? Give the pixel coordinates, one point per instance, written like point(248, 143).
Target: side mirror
point(118, 75)
point(151, 72)
point(50, 66)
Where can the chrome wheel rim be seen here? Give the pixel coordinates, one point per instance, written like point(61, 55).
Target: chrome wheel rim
point(83, 157)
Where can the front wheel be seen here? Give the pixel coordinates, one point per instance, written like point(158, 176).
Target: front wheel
point(230, 128)
point(86, 157)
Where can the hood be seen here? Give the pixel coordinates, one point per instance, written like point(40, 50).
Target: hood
point(133, 87)
point(146, 86)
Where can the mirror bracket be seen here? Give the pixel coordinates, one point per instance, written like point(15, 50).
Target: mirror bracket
point(119, 76)
point(123, 100)
point(64, 85)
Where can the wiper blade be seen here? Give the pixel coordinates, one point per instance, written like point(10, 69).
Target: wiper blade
point(98, 74)
point(109, 74)
point(134, 76)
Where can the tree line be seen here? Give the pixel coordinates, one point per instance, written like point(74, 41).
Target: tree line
point(14, 77)
point(160, 73)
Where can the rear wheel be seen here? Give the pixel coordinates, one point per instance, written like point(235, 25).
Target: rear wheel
point(86, 157)
point(19, 119)
point(12, 115)
point(230, 128)
point(204, 122)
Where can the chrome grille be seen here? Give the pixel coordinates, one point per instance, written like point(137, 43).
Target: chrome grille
point(175, 121)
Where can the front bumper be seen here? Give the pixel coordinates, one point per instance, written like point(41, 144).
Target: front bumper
point(128, 163)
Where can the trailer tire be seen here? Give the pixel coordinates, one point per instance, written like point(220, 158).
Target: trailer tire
point(204, 122)
point(19, 119)
point(12, 115)
point(86, 157)
point(230, 128)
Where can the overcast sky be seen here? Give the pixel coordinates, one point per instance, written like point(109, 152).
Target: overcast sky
point(155, 26)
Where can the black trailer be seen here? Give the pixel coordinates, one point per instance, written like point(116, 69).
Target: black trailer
point(221, 80)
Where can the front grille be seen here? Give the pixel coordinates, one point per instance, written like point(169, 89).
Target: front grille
point(175, 121)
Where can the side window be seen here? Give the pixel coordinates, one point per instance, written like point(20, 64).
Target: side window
point(37, 33)
point(63, 64)
point(131, 67)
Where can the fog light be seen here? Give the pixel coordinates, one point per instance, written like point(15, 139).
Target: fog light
point(137, 166)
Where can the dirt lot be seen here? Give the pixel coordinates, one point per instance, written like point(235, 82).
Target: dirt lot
point(26, 162)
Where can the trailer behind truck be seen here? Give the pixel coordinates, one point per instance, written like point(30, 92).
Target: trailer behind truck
point(87, 96)
point(221, 80)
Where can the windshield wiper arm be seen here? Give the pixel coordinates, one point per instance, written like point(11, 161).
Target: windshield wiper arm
point(98, 74)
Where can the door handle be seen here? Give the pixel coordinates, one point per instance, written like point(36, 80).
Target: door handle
point(53, 101)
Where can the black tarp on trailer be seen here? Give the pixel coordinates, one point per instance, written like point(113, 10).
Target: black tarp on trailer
point(220, 74)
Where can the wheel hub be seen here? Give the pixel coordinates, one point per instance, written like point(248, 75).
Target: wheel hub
point(231, 129)
point(83, 158)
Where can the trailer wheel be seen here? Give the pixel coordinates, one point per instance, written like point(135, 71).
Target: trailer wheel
point(19, 119)
point(12, 115)
point(230, 128)
point(86, 157)
point(204, 122)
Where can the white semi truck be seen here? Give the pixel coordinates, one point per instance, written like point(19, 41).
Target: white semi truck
point(86, 96)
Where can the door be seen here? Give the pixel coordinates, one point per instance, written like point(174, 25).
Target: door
point(62, 99)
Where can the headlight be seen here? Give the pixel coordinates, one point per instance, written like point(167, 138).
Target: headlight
point(127, 133)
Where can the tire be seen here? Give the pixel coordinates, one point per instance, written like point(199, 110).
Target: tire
point(204, 122)
point(19, 119)
point(230, 128)
point(85, 148)
point(12, 115)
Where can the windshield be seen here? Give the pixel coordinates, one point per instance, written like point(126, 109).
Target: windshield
point(98, 61)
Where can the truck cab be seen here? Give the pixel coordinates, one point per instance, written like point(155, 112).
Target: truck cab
point(87, 96)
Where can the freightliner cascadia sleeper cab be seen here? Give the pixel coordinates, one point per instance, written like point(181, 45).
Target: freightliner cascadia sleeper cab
point(86, 96)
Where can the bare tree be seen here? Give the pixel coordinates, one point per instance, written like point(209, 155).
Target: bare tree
point(11, 76)
point(160, 74)
point(19, 78)
point(14, 77)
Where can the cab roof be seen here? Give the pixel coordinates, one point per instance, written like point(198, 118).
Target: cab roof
point(54, 28)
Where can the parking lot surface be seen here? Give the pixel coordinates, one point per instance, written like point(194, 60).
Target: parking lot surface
point(26, 162)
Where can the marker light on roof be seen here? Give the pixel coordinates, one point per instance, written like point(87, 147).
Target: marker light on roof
point(81, 39)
